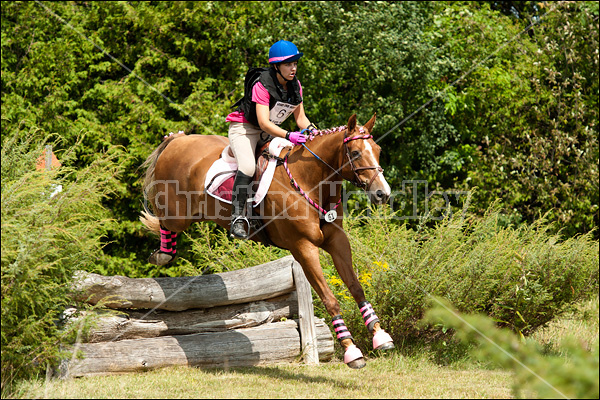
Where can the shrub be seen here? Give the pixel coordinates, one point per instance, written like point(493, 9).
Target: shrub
point(46, 236)
point(212, 251)
point(521, 277)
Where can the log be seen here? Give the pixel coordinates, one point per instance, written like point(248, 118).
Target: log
point(272, 343)
point(182, 293)
point(112, 325)
point(325, 341)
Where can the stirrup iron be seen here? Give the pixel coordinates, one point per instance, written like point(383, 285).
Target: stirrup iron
point(237, 223)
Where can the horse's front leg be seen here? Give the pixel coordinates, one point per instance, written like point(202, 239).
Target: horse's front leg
point(337, 245)
point(307, 254)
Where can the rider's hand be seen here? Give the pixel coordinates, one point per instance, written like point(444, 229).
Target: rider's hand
point(295, 137)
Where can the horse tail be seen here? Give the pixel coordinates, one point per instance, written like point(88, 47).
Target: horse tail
point(151, 221)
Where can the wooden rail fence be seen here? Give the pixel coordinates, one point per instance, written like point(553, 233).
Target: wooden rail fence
point(255, 316)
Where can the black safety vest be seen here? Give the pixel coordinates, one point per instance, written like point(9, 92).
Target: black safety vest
point(282, 103)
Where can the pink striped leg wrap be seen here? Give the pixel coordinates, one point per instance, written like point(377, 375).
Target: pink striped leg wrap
point(381, 339)
point(339, 326)
point(168, 241)
point(366, 309)
point(352, 352)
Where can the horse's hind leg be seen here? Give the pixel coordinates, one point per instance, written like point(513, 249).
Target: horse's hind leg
point(174, 219)
point(167, 252)
point(338, 247)
point(307, 255)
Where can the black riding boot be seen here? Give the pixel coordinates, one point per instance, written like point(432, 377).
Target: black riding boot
point(241, 191)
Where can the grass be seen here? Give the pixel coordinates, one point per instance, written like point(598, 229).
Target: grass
point(581, 322)
point(388, 376)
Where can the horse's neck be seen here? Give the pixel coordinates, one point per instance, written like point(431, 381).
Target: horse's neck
point(315, 172)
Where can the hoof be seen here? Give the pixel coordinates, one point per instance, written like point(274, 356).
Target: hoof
point(161, 258)
point(353, 357)
point(357, 364)
point(386, 346)
point(382, 341)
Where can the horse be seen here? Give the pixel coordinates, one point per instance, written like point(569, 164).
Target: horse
point(306, 190)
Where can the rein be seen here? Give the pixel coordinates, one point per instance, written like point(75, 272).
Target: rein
point(331, 215)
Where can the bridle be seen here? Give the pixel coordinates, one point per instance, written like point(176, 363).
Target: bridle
point(355, 170)
point(357, 182)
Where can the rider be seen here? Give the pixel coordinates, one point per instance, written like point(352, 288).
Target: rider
point(276, 94)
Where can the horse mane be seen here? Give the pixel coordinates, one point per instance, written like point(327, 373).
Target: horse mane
point(324, 132)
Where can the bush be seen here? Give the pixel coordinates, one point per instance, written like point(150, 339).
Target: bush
point(521, 277)
point(212, 251)
point(46, 236)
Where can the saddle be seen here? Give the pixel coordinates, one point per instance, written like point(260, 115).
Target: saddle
point(220, 176)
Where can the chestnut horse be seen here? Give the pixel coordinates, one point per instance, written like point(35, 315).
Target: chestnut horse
point(298, 212)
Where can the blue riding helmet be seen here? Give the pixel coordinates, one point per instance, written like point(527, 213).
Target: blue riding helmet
point(284, 51)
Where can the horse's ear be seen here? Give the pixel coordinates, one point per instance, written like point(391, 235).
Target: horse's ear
point(369, 125)
point(351, 123)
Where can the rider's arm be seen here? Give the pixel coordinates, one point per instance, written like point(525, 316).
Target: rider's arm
point(262, 114)
point(300, 117)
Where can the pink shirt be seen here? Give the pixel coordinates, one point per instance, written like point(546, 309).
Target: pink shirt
point(260, 95)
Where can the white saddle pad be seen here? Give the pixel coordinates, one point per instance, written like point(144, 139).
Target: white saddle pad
point(225, 168)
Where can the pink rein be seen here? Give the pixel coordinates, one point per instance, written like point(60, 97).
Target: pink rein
point(310, 137)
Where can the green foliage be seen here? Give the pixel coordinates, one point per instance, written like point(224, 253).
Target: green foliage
point(464, 98)
point(378, 57)
point(46, 236)
point(573, 376)
point(521, 277)
point(529, 110)
point(212, 249)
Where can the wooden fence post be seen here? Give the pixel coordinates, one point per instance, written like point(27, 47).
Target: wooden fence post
point(308, 335)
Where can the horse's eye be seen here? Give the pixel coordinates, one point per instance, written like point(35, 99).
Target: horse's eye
point(355, 154)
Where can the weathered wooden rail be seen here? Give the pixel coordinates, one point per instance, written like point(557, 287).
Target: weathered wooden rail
point(255, 316)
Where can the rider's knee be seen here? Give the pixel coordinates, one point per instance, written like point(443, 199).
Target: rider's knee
point(246, 168)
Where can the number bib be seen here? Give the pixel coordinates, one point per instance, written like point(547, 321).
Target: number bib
point(280, 112)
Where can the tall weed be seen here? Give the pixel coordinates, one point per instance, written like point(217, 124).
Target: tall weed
point(212, 251)
point(574, 375)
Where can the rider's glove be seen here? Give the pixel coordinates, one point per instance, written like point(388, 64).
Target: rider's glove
point(312, 127)
point(295, 137)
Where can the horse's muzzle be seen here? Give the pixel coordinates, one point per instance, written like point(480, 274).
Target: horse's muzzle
point(379, 191)
point(378, 196)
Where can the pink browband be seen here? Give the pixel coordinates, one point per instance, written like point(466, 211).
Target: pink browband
point(346, 140)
